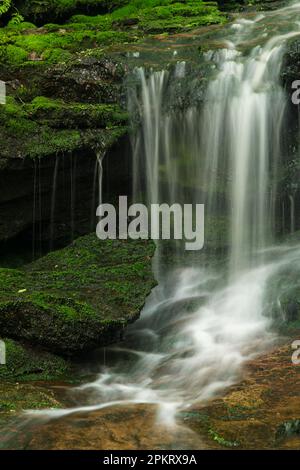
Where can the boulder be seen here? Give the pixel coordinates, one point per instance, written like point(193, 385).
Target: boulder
point(78, 298)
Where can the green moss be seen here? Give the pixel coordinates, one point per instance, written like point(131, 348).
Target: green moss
point(45, 127)
point(74, 298)
point(158, 15)
point(21, 43)
point(56, 113)
point(221, 440)
point(24, 364)
point(43, 10)
point(58, 44)
point(21, 396)
point(15, 55)
point(54, 56)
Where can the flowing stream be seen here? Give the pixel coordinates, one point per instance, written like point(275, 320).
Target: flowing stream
point(204, 321)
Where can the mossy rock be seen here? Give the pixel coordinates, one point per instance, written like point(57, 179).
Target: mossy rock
point(55, 10)
point(24, 43)
point(57, 114)
point(70, 62)
point(25, 364)
point(17, 397)
point(78, 298)
point(47, 126)
point(290, 305)
point(14, 399)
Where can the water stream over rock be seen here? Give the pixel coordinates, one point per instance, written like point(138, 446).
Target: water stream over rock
point(204, 322)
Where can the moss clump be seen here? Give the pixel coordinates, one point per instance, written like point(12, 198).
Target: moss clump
point(57, 114)
point(153, 16)
point(20, 46)
point(55, 10)
point(22, 43)
point(24, 364)
point(79, 297)
point(46, 127)
point(221, 440)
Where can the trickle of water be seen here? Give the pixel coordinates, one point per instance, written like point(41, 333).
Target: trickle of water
point(53, 202)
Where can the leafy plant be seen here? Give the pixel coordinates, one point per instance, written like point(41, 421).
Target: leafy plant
point(16, 19)
point(4, 6)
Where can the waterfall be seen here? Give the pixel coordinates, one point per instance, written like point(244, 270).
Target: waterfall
point(232, 144)
point(247, 103)
point(203, 323)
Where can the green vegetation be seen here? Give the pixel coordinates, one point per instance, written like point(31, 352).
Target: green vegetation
point(44, 44)
point(221, 440)
point(56, 113)
point(17, 397)
point(24, 364)
point(4, 6)
point(54, 10)
point(79, 297)
point(44, 126)
point(22, 42)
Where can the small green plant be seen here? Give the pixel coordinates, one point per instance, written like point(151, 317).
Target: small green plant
point(4, 6)
point(221, 440)
point(16, 19)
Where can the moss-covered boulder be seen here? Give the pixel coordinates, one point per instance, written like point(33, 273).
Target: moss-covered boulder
point(78, 298)
point(25, 364)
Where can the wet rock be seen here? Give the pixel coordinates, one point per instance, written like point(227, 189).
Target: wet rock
point(88, 79)
point(119, 428)
point(261, 412)
point(78, 298)
point(24, 364)
point(291, 64)
point(16, 397)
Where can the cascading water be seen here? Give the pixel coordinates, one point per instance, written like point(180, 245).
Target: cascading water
point(200, 325)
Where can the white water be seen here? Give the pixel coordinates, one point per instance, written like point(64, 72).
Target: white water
point(201, 325)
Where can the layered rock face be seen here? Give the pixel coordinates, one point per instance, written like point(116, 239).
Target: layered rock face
point(288, 179)
point(64, 128)
point(51, 150)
